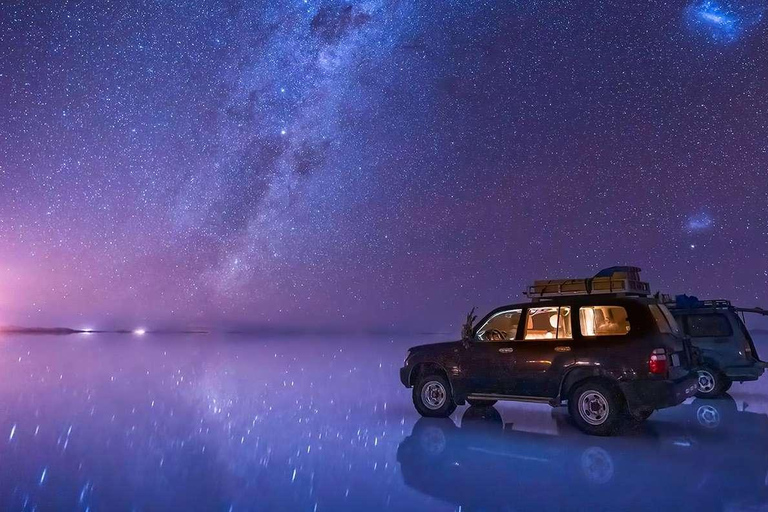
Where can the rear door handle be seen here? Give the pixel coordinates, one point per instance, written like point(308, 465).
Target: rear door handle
point(562, 349)
point(506, 350)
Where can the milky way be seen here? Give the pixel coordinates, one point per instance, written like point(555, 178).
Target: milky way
point(371, 164)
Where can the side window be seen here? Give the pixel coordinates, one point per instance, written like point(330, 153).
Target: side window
point(708, 326)
point(501, 327)
point(664, 319)
point(670, 319)
point(548, 323)
point(603, 321)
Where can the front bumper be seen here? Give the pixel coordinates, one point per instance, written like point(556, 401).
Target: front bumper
point(405, 376)
point(649, 395)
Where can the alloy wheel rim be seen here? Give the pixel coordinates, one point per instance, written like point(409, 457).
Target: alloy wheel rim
point(706, 381)
point(433, 395)
point(593, 407)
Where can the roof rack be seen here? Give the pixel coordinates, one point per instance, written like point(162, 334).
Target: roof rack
point(613, 281)
point(690, 302)
point(687, 302)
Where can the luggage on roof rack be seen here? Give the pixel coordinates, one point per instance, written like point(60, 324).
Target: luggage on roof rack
point(613, 280)
point(691, 302)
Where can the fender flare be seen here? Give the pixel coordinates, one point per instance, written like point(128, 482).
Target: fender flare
point(711, 363)
point(577, 373)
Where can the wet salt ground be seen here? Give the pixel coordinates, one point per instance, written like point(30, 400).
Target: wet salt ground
point(209, 422)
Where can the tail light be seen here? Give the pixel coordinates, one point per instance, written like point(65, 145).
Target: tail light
point(657, 364)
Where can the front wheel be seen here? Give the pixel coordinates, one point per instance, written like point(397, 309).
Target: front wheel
point(597, 408)
point(433, 397)
point(711, 383)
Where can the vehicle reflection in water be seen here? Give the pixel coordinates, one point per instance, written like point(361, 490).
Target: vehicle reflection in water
point(706, 455)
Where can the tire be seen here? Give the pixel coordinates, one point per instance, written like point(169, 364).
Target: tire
point(478, 402)
point(433, 397)
point(597, 407)
point(712, 383)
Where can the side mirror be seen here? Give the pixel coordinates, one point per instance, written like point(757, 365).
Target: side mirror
point(467, 328)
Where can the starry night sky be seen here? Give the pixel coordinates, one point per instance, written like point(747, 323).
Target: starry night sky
point(376, 164)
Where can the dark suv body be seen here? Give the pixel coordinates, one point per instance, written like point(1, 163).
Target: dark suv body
point(605, 355)
point(727, 349)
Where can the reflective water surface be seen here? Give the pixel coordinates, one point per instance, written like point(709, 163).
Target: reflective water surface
point(210, 422)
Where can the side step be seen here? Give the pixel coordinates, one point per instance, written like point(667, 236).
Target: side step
point(515, 398)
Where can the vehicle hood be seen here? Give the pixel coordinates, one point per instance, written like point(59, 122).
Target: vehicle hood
point(430, 347)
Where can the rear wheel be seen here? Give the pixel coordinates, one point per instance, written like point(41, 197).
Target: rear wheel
point(711, 383)
point(433, 397)
point(478, 402)
point(597, 407)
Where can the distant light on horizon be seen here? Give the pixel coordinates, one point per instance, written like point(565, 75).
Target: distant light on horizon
point(140, 332)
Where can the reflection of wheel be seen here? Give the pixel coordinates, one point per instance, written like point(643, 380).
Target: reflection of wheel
point(711, 383)
point(432, 396)
point(596, 407)
point(478, 402)
point(432, 441)
point(482, 419)
point(708, 416)
point(597, 465)
point(713, 413)
point(432, 435)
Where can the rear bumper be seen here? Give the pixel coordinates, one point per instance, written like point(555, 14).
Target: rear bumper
point(657, 394)
point(740, 373)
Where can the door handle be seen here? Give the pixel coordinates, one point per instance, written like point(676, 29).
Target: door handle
point(562, 349)
point(506, 350)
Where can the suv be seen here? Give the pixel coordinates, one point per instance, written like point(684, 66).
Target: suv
point(727, 349)
point(610, 356)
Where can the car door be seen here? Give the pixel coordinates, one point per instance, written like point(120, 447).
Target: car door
point(542, 351)
point(489, 360)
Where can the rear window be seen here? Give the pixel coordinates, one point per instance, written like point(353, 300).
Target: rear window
point(708, 326)
point(664, 319)
point(603, 321)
